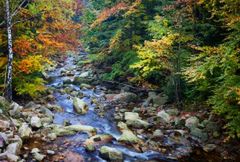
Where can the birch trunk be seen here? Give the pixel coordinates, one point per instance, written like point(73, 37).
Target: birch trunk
point(8, 81)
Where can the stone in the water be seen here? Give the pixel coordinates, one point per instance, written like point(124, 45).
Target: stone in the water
point(36, 122)
point(111, 154)
point(80, 106)
point(192, 122)
point(127, 135)
point(165, 117)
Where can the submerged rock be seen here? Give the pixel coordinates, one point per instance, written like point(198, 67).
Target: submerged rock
point(80, 106)
point(111, 154)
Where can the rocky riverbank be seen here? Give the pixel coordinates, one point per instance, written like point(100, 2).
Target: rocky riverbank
point(80, 119)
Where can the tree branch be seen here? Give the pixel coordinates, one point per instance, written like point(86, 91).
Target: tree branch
point(18, 8)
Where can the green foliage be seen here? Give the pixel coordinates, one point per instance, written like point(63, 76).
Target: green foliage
point(30, 85)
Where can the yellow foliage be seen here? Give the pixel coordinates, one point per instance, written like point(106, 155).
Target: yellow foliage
point(3, 62)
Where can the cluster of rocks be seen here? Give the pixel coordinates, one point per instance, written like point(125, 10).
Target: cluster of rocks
point(166, 130)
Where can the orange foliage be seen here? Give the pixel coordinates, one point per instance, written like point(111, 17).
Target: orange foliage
point(105, 14)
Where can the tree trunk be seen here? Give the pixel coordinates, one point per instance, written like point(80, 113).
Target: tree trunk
point(8, 81)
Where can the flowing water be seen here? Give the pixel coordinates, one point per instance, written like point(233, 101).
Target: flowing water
point(104, 125)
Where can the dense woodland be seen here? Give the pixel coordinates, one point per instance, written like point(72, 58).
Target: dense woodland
point(187, 50)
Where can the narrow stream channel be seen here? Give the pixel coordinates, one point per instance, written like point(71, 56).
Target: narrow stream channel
point(104, 125)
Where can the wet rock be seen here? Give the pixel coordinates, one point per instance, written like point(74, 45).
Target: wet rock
point(56, 108)
point(84, 85)
point(158, 134)
point(80, 106)
point(4, 125)
point(81, 128)
point(164, 117)
point(198, 133)
point(111, 154)
point(72, 157)
point(192, 122)
point(209, 147)
point(127, 135)
point(36, 122)
point(91, 143)
point(72, 129)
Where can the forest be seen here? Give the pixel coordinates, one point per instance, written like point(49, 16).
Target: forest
point(120, 80)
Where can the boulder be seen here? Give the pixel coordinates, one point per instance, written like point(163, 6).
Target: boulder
point(3, 140)
point(80, 106)
point(24, 131)
point(36, 122)
point(111, 154)
point(9, 157)
point(156, 100)
point(164, 117)
point(192, 122)
point(84, 85)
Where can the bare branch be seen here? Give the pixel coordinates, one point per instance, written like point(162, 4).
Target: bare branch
point(18, 8)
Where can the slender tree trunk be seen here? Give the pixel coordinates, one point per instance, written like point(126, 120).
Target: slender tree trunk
point(8, 81)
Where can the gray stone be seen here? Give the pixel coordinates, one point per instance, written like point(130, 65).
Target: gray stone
point(137, 123)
